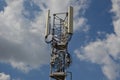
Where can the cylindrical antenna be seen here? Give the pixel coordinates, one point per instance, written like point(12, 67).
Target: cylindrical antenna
point(70, 20)
point(47, 30)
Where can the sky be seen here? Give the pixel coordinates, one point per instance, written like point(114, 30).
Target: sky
point(94, 46)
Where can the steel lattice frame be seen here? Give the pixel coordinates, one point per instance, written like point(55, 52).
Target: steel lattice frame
point(60, 58)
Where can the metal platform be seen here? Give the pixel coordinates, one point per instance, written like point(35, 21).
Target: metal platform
point(58, 75)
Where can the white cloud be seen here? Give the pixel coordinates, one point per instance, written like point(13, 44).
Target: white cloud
point(99, 53)
point(106, 52)
point(4, 76)
point(116, 10)
point(22, 40)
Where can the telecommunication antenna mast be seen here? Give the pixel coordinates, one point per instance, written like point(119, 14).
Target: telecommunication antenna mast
point(58, 34)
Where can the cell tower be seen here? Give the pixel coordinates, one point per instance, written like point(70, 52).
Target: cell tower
point(58, 34)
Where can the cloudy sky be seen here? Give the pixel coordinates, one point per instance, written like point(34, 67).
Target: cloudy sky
point(94, 47)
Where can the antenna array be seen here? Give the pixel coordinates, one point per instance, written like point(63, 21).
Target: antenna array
point(60, 34)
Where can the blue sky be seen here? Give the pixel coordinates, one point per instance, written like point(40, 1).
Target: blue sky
point(94, 45)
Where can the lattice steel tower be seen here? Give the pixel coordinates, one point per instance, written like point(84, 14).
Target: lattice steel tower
point(58, 34)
